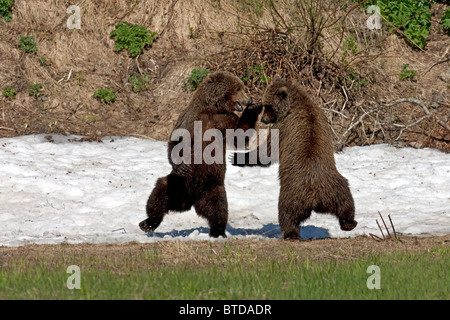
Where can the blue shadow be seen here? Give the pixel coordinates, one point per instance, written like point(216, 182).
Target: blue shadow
point(271, 231)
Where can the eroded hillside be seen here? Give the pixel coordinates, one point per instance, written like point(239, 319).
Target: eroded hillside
point(356, 74)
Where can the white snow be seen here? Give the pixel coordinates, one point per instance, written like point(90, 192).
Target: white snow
point(62, 191)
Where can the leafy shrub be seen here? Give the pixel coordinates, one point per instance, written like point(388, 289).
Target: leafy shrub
point(132, 37)
point(406, 74)
point(105, 95)
point(35, 89)
point(446, 21)
point(413, 17)
point(6, 9)
point(28, 44)
point(196, 77)
point(256, 74)
point(139, 82)
point(350, 44)
point(353, 77)
point(9, 92)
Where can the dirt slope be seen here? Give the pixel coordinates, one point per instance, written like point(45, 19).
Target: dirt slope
point(73, 64)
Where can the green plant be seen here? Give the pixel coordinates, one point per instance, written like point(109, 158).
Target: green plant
point(139, 82)
point(412, 17)
point(354, 78)
point(43, 61)
point(350, 44)
point(256, 74)
point(193, 33)
point(6, 9)
point(446, 21)
point(35, 89)
point(28, 44)
point(80, 78)
point(105, 95)
point(9, 92)
point(132, 37)
point(196, 77)
point(255, 7)
point(407, 74)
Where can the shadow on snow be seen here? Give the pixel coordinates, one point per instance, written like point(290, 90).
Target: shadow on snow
point(269, 231)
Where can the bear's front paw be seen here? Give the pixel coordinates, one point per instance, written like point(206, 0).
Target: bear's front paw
point(255, 108)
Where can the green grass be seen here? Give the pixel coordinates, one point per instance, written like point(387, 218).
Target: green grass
point(422, 275)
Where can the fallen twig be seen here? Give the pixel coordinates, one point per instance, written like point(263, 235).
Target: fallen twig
point(380, 230)
point(5, 128)
point(375, 237)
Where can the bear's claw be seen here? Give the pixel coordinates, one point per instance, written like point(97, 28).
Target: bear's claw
point(145, 227)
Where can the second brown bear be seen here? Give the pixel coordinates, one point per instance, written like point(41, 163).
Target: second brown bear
point(308, 176)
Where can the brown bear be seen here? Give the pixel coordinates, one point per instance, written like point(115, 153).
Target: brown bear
point(308, 176)
point(218, 104)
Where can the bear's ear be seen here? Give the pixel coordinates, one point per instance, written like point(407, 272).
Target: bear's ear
point(282, 92)
point(277, 78)
point(209, 78)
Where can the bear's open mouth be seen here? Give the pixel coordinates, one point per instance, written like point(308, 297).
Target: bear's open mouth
point(239, 106)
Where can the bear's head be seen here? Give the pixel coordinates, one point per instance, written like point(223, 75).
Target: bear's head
point(224, 91)
point(276, 101)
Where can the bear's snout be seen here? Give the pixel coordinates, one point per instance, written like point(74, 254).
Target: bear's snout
point(249, 102)
point(268, 116)
point(244, 102)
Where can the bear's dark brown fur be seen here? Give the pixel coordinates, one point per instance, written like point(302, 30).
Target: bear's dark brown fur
point(214, 103)
point(308, 176)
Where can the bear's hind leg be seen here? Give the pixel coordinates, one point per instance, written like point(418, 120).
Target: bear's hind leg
point(290, 217)
point(214, 208)
point(338, 200)
point(347, 220)
point(169, 194)
point(346, 214)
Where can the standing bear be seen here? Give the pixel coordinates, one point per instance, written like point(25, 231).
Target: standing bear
point(218, 104)
point(308, 176)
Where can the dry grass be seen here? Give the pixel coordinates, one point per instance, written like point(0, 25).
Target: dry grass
point(175, 253)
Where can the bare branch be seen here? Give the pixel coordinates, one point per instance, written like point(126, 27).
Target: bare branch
point(429, 114)
point(389, 234)
point(392, 225)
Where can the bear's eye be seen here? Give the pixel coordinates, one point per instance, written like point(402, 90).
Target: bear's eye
point(239, 89)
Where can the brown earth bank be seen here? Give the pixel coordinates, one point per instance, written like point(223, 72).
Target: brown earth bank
point(120, 257)
point(350, 71)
